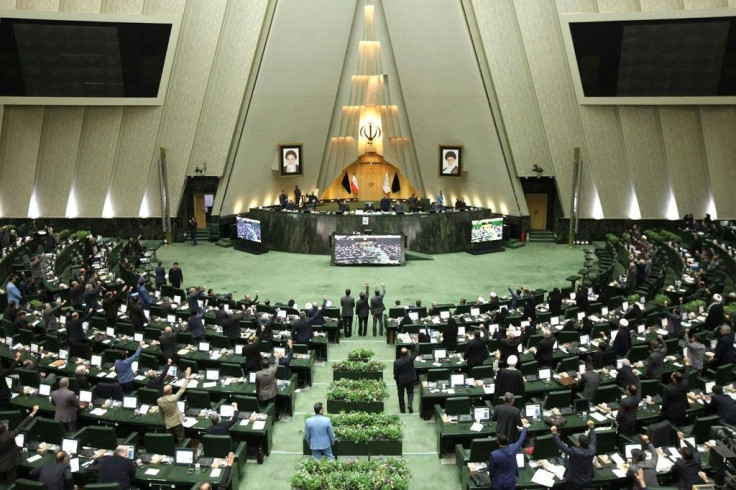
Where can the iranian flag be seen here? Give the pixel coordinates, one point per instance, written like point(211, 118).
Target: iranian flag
point(354, 184)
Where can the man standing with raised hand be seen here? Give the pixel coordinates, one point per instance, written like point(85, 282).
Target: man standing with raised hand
point(405, 376)
point(173, 418)
point(377, 308)
point(347, 304)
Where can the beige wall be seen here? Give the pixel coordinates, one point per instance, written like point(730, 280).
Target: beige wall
point(632, 154)
point(95, 152)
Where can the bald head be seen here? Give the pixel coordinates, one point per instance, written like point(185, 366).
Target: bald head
point(168, 390)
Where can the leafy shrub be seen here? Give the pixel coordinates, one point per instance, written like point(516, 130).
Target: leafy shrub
point(612, 239)
point(324, 474)
point(661, 299)
point(653, 236)
point(625, 237)
point(730, 310)
point(65, 234)
point(360, 354)
point(693, 306)
point(673, 237)
point(81, 234)
point(358, 366)
point(357, 390)
point(362, 427)
point(633, 298)
point(35, 304)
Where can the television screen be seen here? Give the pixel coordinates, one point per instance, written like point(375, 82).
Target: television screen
point(646, 55)
point(79, 57)
point(368, 250)
point(249, 229)
point(486, 230)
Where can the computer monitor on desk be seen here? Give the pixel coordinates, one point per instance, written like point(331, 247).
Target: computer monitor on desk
point(533, 411)
point(457, 379)
point(545, 374)
point(439, 354)
point(184, 457)
point(481, 413)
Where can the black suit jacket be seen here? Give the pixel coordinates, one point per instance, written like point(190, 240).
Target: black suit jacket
point(404, 372)
point(168, 345)
point(674, 399)
point(252, 354)
point(118, 469)
point(55, 475)
point(724, 353)
point(449, 335)
point(507, 418)
point(231, 326)
point(545, 351)
point(686, 470)
point(223, 428)
point(9, 452)
point(176, 276)
point(476, 352)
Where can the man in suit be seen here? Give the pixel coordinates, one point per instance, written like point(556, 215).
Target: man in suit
point(176, 276)
point(196, 326)
point(9, 451)
point(194, 296)
point(715, 313)
point(626, 375)
point(267, 387)
point(507, 418)
point(720, 404)
point(135, 313)
point(655, 363)
point(449, 335)
point(55, 474)
point(377, 308)
point(476, 352)
point(674, 396)
point(544, 353)
point(724, 352)
point(405, 377)
point(13, 292)
point(252, 354)
point(510, 379)
point(11, 312)
point(626, 416)
point(347, 303)
point(590, 380)
point(687, 468)
point(168, 344)
point(318, 433)
point(225, 482)
point(631, 279)
point(193, 230)
point(117, 468)
point(301, 332)
point(90, 297)
point(362, 309)
point(231, 325)
point(49, 316)
point(695, 350)
point(502, 467)
point(219, 427)
point(67, 404)
point(283, 199)
point(156, 381)
point(124, 370)
point(510, 345)
point(579, 467)
point(111, 304)
point(5, 393)
point(160, 273)
point(173, 418)
point(648, 466)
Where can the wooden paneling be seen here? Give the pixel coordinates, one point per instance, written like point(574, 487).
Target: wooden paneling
point(57, 158)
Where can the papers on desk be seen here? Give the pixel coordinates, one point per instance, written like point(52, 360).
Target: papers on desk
point(211, 384)
point(259, 424)
point(476, 427)
point(189, 422)
point(489, 389)
point(558, 470)
point(140, 377)
point(544, 478)
point(99, 412)
point(436, 364)
point(215, 473)
point(619, 472)
point(34, 458)
point(245, 422)
point(215, 355)
point(616, 458)
point(152, 471)
point(183, 352)
point(598, 416)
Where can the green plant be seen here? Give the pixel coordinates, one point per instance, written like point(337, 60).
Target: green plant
point(35, 304)
point(693, 306)
point(673, 237)
point(357, 390)
point(81, 234)
point(360, 354)
point(363, 427)
point(730, 310)
point(653, 236)
point(612, 239)
point(661, 299)
point(358, 366)
point(325, 474)
point(625, 237)
point(65, 234)
point(633, 298)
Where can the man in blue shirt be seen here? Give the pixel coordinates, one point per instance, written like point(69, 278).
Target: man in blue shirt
point(318, 433)
point(124, 369)
point(143, 296)
point(13, 291)
point(502, 467)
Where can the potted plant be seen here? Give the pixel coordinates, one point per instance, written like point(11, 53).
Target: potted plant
point(358, 365)
point(693, 306)
point(384, 474)
point(352, 395)
point(365, 434)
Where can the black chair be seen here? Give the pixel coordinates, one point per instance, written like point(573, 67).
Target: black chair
point(26, 484)
point(148, 396)
point(46, 430)
point(188, 363)
point(568, 364)
point(650, 387)
point(159, 444)
point(701, 427)
point(198, 399)
point(605, 440)
point(216, 446)
point(564, 336)
point(148, 361)
point(108, 390)
point(184, 338)
point(98, 437)
point(438, 375)
point(28, 377)
point(545, 447)
point(481, 372)
point(558, 399)
point(231, 370)
point(606, 394)
point(530, 367)
point(458, 405)
point(220, 342)
point(478, 452)
point(151, 333)
point(13, 417)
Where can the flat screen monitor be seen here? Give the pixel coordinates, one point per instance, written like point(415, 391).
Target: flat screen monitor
point(212, 374)
point(630, 447)
point(45, 58)
point(85, 396)
point(584, 339)
point(129, 450)
point(227, 411)
point(486, 230)
point(44, 389)
point(74, 465)
point(545, 373)
point(474, 311)
point(63, 354)
point(138, 337)
point(182, 406)
point(581, 405)
point(204, 346)
point(581, 315)
point(555, 320)
point(96, 360)
point(445, 314)
point(279, 351)
point(173, 371)
point(520, 460)
point(251, 377)
point(184, 456)
point(110, 332)
point(248, 229)
point(414, 316)
point(439, 354)
point(130, 402)
point(619, 363)
point(457, 380)
point(461, 331)
point(34, 347)
point(481, 413)
point(368, 250)
point(604, 311)
point(709, 386)
point(239, 349)
point(533, 411)
point(70, 446)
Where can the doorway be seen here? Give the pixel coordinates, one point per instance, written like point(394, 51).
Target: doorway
point(542, 202)
point(537, 205)
point(200, 211)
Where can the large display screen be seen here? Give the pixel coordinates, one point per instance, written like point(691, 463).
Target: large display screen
point(249, 229)
point(486, 230)
point(368, 250)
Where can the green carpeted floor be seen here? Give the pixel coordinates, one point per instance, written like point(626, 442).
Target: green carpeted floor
point(281, 276)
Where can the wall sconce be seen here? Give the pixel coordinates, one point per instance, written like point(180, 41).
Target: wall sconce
point(537, 170)
point(201, 170)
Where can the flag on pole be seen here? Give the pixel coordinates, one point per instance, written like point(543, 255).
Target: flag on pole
point(346, 183)
point(386, 184)
point(354, 184)
point(396, 185)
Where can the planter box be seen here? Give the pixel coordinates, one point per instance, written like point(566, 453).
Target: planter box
point(357, 375)
point(368, 448)
point(337, 406)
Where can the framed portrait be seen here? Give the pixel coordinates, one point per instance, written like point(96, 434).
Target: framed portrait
point(291, 159)
point(451, 161)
